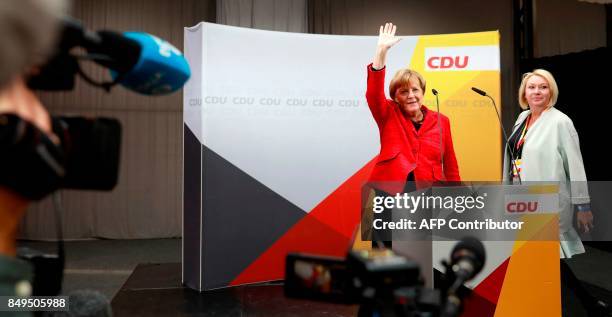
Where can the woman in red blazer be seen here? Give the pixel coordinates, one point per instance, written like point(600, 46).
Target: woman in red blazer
point(415, 142)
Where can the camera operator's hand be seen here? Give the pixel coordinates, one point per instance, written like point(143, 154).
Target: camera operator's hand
point(16, 98)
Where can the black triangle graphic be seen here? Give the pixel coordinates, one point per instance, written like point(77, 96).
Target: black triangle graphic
point(241, 219)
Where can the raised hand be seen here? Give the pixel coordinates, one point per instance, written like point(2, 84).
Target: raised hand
point(386, 36)
point(386, 39)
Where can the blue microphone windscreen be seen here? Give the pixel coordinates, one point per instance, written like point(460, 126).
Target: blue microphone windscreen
point(161, 68)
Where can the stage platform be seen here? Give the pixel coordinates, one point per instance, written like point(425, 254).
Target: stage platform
point(156, 290)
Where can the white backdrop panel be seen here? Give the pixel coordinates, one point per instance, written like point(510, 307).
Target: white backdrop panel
point(289, 109)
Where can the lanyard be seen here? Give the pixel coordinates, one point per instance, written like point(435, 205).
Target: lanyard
point(521, 140)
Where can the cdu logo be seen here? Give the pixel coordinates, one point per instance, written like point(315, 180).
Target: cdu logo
point(462, 58)
point(448, 62)
point(522, 206)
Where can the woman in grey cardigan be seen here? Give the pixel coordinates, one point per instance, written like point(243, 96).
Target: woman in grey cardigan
point(545, 147)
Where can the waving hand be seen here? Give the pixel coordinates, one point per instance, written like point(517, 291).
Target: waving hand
point(386, 39)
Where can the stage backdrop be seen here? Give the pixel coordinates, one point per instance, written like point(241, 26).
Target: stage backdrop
point(278, 139)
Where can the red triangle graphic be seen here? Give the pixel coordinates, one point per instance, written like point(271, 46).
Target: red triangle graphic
point(490, 288)
point(485, 296)
point(326, 230)
point(342, 209)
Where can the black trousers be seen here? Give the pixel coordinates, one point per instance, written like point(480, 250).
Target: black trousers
point(380, 238)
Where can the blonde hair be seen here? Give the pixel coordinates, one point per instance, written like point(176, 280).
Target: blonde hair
point(402, 78)
point(552, 84)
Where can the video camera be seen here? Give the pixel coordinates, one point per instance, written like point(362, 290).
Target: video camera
point(88, 153)
point(383, 282)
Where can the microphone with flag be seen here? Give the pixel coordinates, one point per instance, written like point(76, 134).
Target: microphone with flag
point(139, 61)
point(160, 68)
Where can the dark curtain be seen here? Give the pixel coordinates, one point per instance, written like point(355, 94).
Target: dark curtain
point(583, 86)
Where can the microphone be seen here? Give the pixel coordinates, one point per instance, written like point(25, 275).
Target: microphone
point(160, 69)
point(435, 92)
point(467, 260)
point(138, 61)
point(478, 91)
point(501, 125)
point(142, 62)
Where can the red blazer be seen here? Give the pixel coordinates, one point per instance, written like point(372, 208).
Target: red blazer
point(403, 149)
